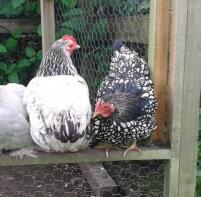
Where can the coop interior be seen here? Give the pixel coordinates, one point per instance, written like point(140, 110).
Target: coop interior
point(95, 24)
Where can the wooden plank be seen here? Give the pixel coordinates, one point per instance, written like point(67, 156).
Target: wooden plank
point(158, 50)
point(47, 23)
point(24, 25)
point(98, 178)
point(152, 35)
point(175, 94)
point(191, 97)
point(171, 178)
point(148, 153)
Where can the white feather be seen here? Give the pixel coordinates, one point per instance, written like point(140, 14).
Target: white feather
point(56, 98)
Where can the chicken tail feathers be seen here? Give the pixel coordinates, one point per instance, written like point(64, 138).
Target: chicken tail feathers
point(65, 127)
point(69, 131)
point(153, 124)
point(117, 44)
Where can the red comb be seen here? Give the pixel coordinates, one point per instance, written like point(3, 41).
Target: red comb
point(67, 37)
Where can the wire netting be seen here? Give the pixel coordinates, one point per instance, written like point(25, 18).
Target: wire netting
point(96, 24)
point(134, 179)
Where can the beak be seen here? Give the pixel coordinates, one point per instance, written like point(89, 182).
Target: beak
point(77, 47)
point(95, 114)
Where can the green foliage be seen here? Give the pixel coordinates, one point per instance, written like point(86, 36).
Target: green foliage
point(18, 67)
point(17, 34)
point(74, 12)
point(22, 67)
point(29, 52)
point(11, 44)
point(69, 3)
point(2, 48)
point(17, 3)
point(39, 30)
point(20, 8)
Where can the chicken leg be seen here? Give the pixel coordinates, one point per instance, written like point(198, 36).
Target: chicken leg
point(107, 148)
point(132, 147)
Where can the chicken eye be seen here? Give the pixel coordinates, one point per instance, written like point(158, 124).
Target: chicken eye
point(71, 45)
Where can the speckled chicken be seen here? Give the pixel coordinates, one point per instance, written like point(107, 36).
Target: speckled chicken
point(57, 101)
point(15, 138)
point(125, 103)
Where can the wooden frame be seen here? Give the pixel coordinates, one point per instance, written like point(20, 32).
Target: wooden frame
point(183, 93)
point(47, 23)
point(153, 153)
point(12, 25)
point(158, 60)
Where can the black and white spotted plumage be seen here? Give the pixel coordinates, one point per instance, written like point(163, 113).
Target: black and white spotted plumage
point(57, 101)
point(129, 88)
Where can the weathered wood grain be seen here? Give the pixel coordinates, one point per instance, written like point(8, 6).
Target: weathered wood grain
point(99, 180)
point(24, 25)
point(47, 23)
point(89, 156)
point(183, 101)
point(175, 93)
point(191, 96)
point(158, 50)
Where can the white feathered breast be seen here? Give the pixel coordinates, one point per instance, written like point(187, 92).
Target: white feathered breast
point(59, 111)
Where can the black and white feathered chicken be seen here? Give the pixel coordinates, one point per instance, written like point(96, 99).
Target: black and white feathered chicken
point(57, 101)
point(15, 138)
point(126, 101)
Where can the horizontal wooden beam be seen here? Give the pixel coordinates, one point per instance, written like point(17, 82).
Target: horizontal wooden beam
point(24, 25)
point(148, 153)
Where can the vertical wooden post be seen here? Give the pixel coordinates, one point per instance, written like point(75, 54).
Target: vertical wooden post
point(158, 59)
point(183, 100)
point(191, 96)
point(152, 34)
point(175, 93)
point(47, 23)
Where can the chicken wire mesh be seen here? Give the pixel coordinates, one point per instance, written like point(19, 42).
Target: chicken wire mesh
point(96, 24)
point(133, 179)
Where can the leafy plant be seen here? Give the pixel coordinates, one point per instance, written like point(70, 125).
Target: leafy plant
point(14, 66)
point(19, 8)
point(17, 68)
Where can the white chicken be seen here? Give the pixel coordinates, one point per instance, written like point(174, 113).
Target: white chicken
point(15, 138)
point(57, 101)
